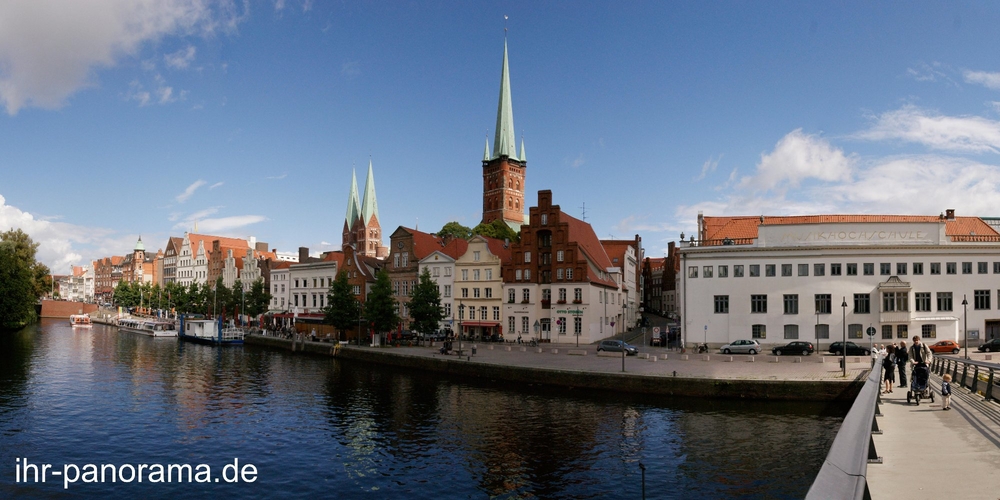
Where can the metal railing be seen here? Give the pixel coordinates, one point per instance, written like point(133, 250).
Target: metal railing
point(982, 376)
point(843, 475)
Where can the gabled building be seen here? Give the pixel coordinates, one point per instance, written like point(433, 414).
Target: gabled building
point(504, 170)
point(280, 287)
point(440, 264)
point(196, 252)
point(361, 270)
point(362, 229)
point(626, 255)
point(408, 247)
point(140, 267)
point(478, 287)
point(561, 284)
point(107, 274)
point(170, 254)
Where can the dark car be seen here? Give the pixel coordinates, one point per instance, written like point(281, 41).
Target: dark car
point(852, 349)
point(797, 347)
point(616, 346)
point(991, 346)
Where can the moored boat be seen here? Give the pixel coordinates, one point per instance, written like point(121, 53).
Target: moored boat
point(80, 320)
point(151, 327)
point(196, 328)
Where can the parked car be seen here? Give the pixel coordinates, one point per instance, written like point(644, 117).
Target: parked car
point(945, 346)
point(616, 346)
point(797, 347)
point(741, 347)
point(852, 349)
point(991, 346)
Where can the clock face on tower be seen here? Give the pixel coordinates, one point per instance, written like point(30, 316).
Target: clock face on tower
point(399, 245)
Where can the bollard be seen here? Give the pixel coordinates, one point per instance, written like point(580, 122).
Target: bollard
point(474, 349)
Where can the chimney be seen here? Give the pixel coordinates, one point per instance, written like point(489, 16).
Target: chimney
point(303, 255)
point(260, 246)
point(950, 214)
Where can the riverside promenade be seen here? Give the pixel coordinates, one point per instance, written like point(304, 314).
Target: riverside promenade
point(654, 371)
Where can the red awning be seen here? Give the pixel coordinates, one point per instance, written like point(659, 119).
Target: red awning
point(480, 323)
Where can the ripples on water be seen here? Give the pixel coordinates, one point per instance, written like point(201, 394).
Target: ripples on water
point(317, 427)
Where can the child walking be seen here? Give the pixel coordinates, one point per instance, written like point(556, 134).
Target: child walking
point(946, 392)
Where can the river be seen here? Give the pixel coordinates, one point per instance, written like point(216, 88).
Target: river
point(318, 427)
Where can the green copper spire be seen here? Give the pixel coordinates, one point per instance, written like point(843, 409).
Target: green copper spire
point(369, 206)
point(486, 152)
point(523, 158)
point(139, 246)
point(353, 206)
point(504, 144)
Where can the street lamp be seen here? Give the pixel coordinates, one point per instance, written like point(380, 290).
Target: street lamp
point(843, 345)
point(965, 312)
point(458, 336)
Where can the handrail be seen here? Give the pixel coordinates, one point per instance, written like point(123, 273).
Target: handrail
point(843, 475)
point(950, 364)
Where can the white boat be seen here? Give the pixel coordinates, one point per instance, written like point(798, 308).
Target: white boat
point(151, 327)
point(209, 331)
point(80, 320)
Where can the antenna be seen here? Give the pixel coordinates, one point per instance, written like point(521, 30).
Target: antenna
point(584, 208)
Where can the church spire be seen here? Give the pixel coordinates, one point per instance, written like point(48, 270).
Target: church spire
point(353, 206)
point(504, 143)
point(369, 206)
point(486, 152)
point(522, 157)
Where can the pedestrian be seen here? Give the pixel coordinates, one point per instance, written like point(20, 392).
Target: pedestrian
point(946, 392)
point(919, 353)
point(901, 358)
point(881, 349)
point(889, 365)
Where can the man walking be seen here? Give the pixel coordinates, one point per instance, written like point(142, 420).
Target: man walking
point(919, 353)
point(901, 359)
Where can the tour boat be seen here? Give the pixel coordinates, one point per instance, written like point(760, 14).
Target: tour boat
point(151, 327)
point(196, 328)
point(80, 320)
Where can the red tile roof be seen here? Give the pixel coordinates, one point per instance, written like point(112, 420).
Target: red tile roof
point(455, 248)
point(423, 243)
point(281, 264)
point(717, 228)
point(584, 236)
point(336, 256)
point(197, 240)
point(500, 248)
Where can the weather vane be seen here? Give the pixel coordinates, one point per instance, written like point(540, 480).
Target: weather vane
point(505, 24)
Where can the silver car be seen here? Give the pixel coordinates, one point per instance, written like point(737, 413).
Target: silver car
point(616, 346)
point(741, 347)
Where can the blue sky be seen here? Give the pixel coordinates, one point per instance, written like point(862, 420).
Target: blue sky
point(129, 117)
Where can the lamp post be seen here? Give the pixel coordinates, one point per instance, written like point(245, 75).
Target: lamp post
point(360, 319)
point(965, 313)
point(843, 345)
point(458, 336)
point(623, 343)
point(817, 330)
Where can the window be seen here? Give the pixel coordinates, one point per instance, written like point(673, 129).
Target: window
point(510, 324)
point(786, 269)
point(900, 268)
point(525, 295)
point(822, 331)
point(496, 313)
point(559, 255)
point(895, 301)
point(791, 304)
point(437, 272)
point(488, 292)
point(561, 322)
point(465, 293)
point(578, 295)
point(723, 271)
point(475, 274)
point(901, 332)
point(862, 303)
point(738, 271)
point(511, 293)
point(819, 269)
point(527, 257)
point(465, 274)
point(996, 268)
point(447, 290)
point(834, 269)
point(935, 268)
point(983, 268)
point(447, 309)
point(966, 268)
point(886, 331)
point(489, 274)
point(758, 331)
point(475, 293)
point(562, 295)
point(803, 269)
point(922, 301)
point(447, 271)
point(482, 312)
point(918, 268)
point(475, 256)
point(527, 275)
point(854, 331)
point(769, 270)
point(885, 269)
point(928, 331)
point(545, 219)
point(791, 331)
point(569, 273)
point(692, 271)
point(524, 325)
point(869, 269)
point(951, 268)
point(758, 303)
point(824, 303)
point(708, 271)
point(944, 301)
point(852, 269)
point(722, 304)
point(472, 312)
point(577, 325)
point(981, 299)
point(754, 270)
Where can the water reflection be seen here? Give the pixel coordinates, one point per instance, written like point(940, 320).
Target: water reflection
point(315, 426)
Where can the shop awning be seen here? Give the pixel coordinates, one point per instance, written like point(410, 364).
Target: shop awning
point(480, 323)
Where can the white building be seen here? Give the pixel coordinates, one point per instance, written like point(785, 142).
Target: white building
point(280, 287)
point(816, 278)
point(309, 284)
point(441, 267)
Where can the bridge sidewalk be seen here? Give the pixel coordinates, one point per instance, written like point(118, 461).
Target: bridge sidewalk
point(931, 453)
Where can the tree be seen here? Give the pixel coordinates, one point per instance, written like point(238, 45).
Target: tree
point(380, 308)
point(221, 298)
point(497, 229)
point(24, 251)
point(126, 295)
point(342, 308)
point(258, 298)
point(17, 289)
point(425, 305)
point(455, 230)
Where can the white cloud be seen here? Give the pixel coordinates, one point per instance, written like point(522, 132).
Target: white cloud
point(578, 161)
point(278, 177)
point(181, 198)
point(49, 49)
point(932, 72)
point(180, 59)
point(217, 184)
point(708, 167)
point(798, 157)
point(969, 134)
point(986, 79)
point(223, 224)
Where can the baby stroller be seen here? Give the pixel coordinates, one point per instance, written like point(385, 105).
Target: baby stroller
point(919, 387)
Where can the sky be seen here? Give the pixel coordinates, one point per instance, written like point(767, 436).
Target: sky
point(129, 118)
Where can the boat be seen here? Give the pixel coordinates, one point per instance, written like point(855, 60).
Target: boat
point(196, 328)
point(151, 327)
point(80, 320)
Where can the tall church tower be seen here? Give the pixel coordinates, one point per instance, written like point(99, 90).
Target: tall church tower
point(504, 169)
point(361, 225)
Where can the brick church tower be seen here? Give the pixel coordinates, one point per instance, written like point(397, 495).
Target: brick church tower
point(504, 169)
point(362, 229)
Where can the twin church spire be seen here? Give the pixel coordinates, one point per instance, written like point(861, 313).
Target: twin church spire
point(361, 225)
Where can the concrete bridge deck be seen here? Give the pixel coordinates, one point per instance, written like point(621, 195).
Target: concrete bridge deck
point(929, 453)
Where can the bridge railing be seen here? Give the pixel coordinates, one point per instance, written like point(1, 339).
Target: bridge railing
point(843, 475)
point(973, 375)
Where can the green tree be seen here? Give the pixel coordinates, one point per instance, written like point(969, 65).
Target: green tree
point(126, 294)
point(342, 308)
point(380, 307)
point(456, 230)
point(497, 229)
point(425, 305)
point(221, 298)
point(258, 298)
point(25, 250)
point(17, 289)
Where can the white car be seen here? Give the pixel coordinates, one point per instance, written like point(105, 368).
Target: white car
point(741, 347)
